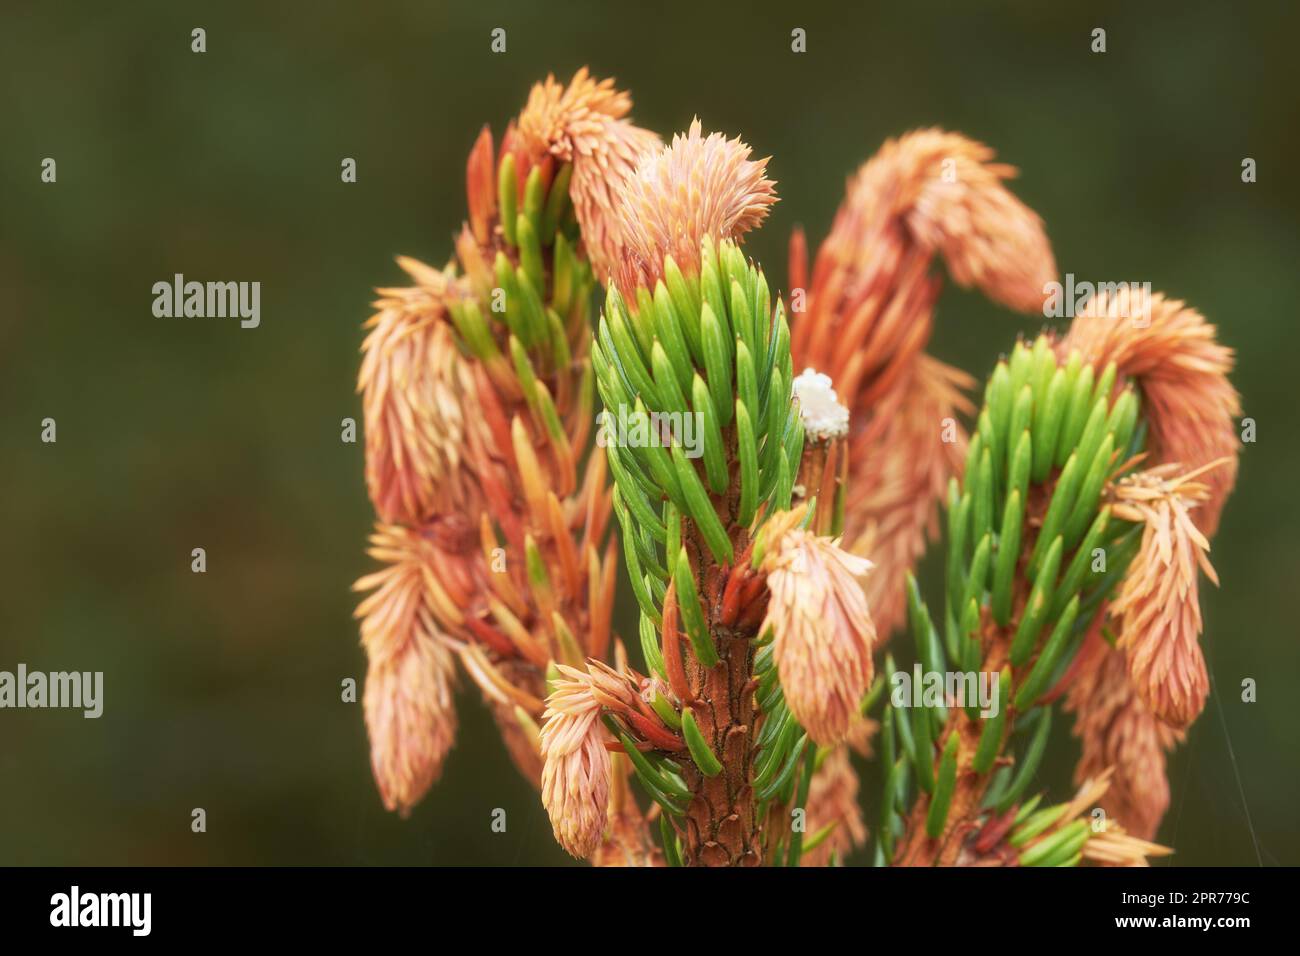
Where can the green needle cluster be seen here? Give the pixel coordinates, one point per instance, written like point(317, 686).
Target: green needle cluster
point(1032, 554)
point(518, 299)
point(706, 353)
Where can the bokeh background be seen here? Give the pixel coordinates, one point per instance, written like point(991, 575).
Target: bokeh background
point(223, 689)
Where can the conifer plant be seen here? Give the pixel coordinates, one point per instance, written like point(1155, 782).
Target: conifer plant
point(777, 464)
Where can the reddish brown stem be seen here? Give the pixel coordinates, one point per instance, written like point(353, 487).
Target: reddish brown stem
point(721, 826)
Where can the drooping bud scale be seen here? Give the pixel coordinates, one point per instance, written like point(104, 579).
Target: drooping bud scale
point(700, 187)
point(408, 700)
point(479, 393)
point(1157, 607)
point(1173, 352)
point(823, 635)
point(419, 407)
point(410, 718)
point(584, 126)
point(575, 772)
point(864, 314)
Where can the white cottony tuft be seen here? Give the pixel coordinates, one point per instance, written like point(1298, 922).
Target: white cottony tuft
point(822, 415)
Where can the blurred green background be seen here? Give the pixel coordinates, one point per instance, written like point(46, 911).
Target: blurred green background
point(222, 690)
